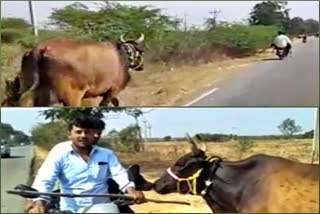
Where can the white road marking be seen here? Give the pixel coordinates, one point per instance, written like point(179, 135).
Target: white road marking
point(202, 96)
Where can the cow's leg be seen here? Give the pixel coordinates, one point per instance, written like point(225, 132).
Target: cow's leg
point(110, 96)
point(107, 98)
point(115, 102)
point(105, 102)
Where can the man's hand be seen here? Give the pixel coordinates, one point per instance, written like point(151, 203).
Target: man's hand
point(39, 206)
point(138, 196)
point(28, 205)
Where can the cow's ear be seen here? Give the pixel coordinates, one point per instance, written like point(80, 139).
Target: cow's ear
point(135, 169)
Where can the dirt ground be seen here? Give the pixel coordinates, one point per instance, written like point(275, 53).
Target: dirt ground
point(159, 156)
point(175, 86)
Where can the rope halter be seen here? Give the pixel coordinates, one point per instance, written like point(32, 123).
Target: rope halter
point(191, 180)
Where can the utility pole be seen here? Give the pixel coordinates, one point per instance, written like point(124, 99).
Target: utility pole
point(145, 131)
point(212, 22)
point(149, 127)
point(185, 22)
point(315, 144)
point(33, 19)
point(215, 13)
point(232, 134)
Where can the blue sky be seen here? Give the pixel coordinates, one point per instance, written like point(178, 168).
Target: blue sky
point(194, 11)
point(177, 121)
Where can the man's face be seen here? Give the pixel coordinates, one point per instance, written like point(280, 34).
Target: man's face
point(82, 138)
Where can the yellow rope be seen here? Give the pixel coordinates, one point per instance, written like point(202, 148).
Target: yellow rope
point(192, 180)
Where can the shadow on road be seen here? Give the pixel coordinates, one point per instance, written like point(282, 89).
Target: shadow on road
point(271, 59)
point(13, 157)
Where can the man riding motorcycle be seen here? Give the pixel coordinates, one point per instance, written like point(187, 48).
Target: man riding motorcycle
point(282, 42)
point(81, 166)
point(304, 38)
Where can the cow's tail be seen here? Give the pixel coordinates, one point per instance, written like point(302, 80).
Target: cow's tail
point(30, 65)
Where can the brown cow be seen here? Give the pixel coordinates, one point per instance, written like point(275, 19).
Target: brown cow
point(258, 184)
point(67, 71)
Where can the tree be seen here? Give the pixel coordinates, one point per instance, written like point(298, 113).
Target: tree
point(49, 134)
point(14, 23)
point(20, 137)
point(288, 127)
point(113, 19)
point(312, 26)
point(67, 114)
point(12, 136)
point(129, 137)
point(6, 130)
point(167, 138)
point(296, 26)
point(308, 134)
point(270, 13)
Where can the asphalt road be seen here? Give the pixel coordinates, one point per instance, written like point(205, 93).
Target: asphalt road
point(14, 171)
point(271, 82)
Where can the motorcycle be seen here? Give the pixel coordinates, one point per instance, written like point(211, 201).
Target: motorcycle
point(121, 200)
point(281, 53)
point(304, 39)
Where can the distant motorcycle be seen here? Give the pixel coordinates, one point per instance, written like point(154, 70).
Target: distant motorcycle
point(304, 39)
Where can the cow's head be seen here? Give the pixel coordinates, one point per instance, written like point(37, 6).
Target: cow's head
point(186, 176)
point(139, 181)
point(134, 51)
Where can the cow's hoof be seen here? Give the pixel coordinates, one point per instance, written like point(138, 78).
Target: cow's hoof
point(115, 102)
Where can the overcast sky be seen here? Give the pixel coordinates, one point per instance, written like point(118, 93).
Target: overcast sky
point(194, 11)
point(177, 121)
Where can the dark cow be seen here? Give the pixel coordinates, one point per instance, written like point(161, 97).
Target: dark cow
point(258, 184)
point(134, 176)
point(66, 71)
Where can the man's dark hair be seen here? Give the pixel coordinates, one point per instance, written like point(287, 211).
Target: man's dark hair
point(100, 125)
point(87, 122)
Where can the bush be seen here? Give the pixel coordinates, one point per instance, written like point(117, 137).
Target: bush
point(14, 23)
point(11, 35)
point(243, 39)
point(243, 146)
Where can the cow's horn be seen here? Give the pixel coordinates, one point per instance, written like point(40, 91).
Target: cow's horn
point(141, 38)
point(122, 38)
point(194, 146)
point(203, 146)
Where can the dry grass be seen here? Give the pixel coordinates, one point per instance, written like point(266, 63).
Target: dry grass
point(11, 56)
point(160, 155)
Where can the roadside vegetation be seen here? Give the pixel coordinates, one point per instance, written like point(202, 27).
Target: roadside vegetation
point(169, 40)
